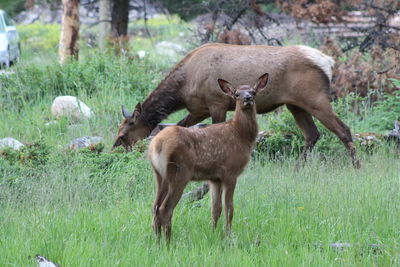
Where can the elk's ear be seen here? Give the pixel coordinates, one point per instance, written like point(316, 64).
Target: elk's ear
point(138, 110)
point(262, 82)
point(125, 112)
point(226, 87)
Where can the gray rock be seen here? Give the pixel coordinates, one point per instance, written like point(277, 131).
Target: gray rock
point(85, 141)
point(10, 142)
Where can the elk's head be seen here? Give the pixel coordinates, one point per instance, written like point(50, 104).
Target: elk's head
point(244, 94)
point(132, 129)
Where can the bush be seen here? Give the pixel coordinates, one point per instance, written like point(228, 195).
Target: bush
point(12, 6)
point(90, 75)
point(34, 154)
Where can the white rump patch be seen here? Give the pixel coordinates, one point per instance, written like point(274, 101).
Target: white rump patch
point(320, 59)
point(159, 163)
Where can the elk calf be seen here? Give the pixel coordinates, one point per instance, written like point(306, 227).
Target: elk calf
point(217, 153)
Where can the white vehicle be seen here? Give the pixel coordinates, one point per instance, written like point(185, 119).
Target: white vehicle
point(9, 41)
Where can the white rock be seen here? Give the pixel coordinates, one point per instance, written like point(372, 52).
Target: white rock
point(141, 54)
point(43, 262)
point(10, 142)
point(70, 106)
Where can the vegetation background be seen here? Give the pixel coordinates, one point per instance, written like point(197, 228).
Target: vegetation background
point(92, 207)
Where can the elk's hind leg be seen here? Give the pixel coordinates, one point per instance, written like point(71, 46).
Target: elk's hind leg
point(322, 110)
point(216, 203)
point(177, 179)
point(307, 126)
point(162, 190)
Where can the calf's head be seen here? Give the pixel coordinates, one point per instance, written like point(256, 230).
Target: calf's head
point(244, 94)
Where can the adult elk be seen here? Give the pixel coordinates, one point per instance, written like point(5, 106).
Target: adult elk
point(299, 77)
point(179, 155)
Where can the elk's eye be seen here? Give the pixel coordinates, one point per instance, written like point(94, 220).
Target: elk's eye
point(131, 123)
point(237, 95)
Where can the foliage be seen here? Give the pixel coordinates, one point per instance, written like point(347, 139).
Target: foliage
point(34, 154)
point(385, 111)
point(320, 11)
point(12, 7)
point(39, 37)
point(186, 9)
point(367, 74)
point(88, 76)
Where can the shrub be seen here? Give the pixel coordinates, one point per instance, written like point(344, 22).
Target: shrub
point(90, 75)
point(34, 154)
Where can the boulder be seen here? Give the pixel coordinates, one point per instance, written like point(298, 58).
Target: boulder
point(71, 107)
point(11, 143)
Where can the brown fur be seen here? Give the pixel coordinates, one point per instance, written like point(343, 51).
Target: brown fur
point(217, 153)
point(295, 80)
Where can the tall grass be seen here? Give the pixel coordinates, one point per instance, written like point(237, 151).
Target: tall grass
point(79, 212)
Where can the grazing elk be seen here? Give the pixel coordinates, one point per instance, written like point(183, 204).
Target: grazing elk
point(299, 78)
point(217, 153)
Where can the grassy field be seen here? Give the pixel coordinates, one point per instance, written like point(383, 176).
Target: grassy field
point(82, 208)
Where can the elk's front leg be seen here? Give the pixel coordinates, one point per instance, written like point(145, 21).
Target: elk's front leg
point(229, 189)
point(191, 119)
point(216, 203)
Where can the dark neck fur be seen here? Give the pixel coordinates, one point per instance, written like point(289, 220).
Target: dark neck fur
point(163, 101)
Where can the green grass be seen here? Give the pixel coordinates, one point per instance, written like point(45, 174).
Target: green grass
point(81, 212)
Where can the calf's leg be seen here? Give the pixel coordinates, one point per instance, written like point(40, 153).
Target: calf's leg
point(229, 189)
point(216, 204)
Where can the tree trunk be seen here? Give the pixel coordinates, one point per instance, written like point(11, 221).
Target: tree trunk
point(105, 16)
point(69, 31)
point(119, 25)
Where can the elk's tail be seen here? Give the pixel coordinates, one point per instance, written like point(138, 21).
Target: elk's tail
point(323, 61)
point(158, 156)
